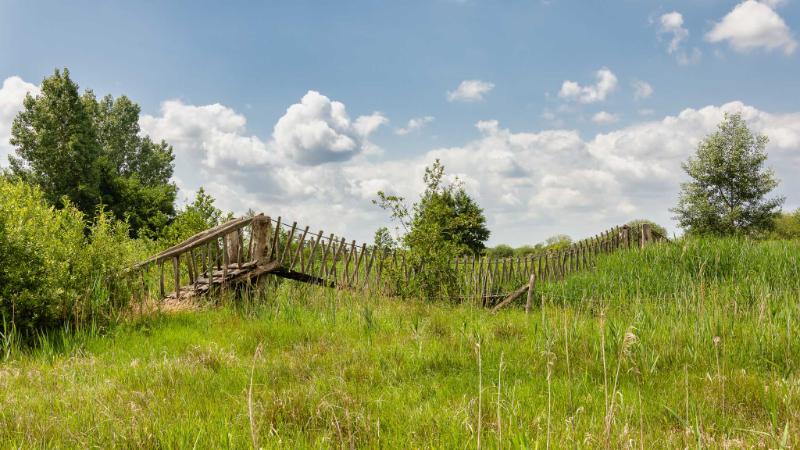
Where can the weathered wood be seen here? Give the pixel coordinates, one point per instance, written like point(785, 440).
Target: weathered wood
point(161, 279)
point(299, 249)
point(359, 258)
point(273, 251)
point(309, 264)
point(287, 248)
point(258, 237)
point(511, 297)
point(323, 266)
point(225, 260)
point(176, 270)
point(531, 288)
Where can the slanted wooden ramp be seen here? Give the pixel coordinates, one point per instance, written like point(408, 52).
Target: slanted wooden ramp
point(242, 250)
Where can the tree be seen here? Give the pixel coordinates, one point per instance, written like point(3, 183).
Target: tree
point(443, 224)
point(383, 238)
point(444, 209)
point(56, 144)
point(197, 216)
point(727, 193)
point(92, 152)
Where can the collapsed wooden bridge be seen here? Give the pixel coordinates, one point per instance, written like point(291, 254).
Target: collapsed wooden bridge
point(241, 251)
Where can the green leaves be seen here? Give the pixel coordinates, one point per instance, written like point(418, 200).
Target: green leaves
point(92, 152)
point(727, 194)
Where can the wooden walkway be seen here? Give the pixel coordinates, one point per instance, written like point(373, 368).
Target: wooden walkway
point(242, 250)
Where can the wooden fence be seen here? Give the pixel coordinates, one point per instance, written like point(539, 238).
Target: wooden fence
point(242, 250)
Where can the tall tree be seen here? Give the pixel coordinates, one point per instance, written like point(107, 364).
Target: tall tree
point(92, 152)
point(56, 144)
point(729, 184)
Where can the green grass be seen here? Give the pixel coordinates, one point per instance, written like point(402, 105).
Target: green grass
point(648, 351)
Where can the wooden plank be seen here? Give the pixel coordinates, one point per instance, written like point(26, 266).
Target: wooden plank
point(511, 297)
point(308, 265)
point(299, 249)
point(225, 261)
point(287, 247)
point(531, 288)
point(161, 279)
point(359, 258)
point(273, 252)
point(176, 270)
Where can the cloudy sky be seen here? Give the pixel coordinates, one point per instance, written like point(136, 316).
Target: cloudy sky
point(559, 116)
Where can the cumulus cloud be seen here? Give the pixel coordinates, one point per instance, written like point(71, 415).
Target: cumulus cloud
point(671, 25)
point(606, 83)
point(12, 93)
point(470, 91)
point(641, 89)
point(318, 130)
point(214, 133)
point(754, 25)
point(415, 124)
point(604, 117)
point(532, 184)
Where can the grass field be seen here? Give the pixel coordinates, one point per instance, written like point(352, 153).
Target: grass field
point(693, 344)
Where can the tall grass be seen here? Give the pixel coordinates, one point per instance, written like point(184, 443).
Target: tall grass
point(338, 370)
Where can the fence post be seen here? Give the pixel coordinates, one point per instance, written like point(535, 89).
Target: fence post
point(645, 234)
point(531, 287)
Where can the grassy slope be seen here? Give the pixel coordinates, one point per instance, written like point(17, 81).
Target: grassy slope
point(711, 357)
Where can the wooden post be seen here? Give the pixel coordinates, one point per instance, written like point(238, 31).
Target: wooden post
point(258, 238)
point(273, 252)
point(299, 249)
point(225, 260)
point(309, 264)
point(176, 269)
point(161, 280)
point(287, 247)
point(531, 288)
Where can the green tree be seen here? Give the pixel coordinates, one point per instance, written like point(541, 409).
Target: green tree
point(443, 224)
point(197, 216)
point(92, 152)
point(56, 144)
point(729, 185)
point(383, 238)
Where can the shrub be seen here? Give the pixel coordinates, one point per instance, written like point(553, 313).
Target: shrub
point(787, 226)
point(55, 270)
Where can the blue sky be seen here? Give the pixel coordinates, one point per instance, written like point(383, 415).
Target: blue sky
point(564, 155)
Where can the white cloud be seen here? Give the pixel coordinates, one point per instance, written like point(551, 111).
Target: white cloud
point(414, 124)
point(753, 25)
point(606, 83)
point(214, 133)
point(470, 91)
point(671, 24)
point(604, 117)
point(318, 130)
point(12, 93)
point(550, 181)
point(641, 89)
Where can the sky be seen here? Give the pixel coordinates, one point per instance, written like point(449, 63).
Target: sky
point(560, 117)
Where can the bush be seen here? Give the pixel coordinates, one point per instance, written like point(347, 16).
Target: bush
point(55, 270)
point(787, 226)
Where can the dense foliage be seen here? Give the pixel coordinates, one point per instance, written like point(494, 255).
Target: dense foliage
point(91, 152)
point(446, 222)
point(197, 216)
point(52, 271)
point(728, 190)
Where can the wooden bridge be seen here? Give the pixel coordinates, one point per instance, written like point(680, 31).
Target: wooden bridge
point(242, 250)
